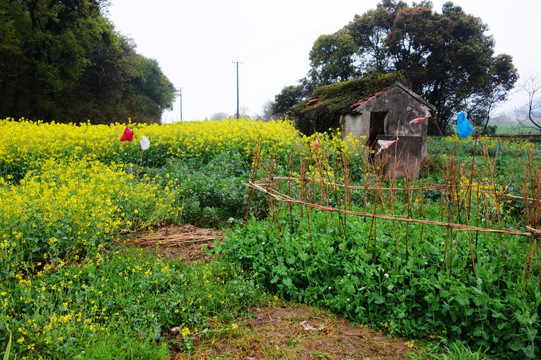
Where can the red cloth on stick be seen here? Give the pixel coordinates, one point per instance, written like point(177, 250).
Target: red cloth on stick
point(127, 135)
point(316, 143)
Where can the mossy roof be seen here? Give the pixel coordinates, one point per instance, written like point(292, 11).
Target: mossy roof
point(322, 111)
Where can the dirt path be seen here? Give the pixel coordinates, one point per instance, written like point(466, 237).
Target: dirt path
point(282, 331)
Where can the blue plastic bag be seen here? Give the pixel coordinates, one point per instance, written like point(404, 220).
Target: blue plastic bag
point(463, 127)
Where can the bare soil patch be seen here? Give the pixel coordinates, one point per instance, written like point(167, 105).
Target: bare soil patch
point(185, 242)
point(280, 331)
point(294, 331)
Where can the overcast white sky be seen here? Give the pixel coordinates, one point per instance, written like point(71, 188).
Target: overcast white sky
point(196, 43)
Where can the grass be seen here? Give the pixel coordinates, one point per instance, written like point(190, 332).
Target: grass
point(515, 129)
point(459, 351)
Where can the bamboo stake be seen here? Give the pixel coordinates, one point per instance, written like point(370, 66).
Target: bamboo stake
point(255, 167)
point(454, 226)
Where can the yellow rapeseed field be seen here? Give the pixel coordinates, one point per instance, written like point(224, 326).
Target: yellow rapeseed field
point(66, 188)
point(67, 209)
point(24, 142)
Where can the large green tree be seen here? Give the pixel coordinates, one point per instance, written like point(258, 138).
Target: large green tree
point(503, 76)
point(289, 96)
point(448, 58)
point(331, 59)
point(62, 60)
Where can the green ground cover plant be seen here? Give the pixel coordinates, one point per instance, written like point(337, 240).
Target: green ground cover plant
point(119, 304)
point(417, 297)
point(211, 193)
point(408, 278)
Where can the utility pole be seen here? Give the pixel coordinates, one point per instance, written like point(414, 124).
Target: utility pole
point(180, 95)
point(237, 63)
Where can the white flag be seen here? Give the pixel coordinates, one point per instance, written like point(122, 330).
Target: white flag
point(384, 144)
point(419, 119)
point(144, 142)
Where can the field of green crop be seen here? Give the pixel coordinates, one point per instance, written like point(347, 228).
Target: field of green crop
point(71, 195)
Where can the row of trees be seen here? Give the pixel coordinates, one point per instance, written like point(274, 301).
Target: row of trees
point(446, 57)
point(62, 60)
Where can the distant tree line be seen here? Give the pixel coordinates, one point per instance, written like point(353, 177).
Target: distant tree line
point(447, 58)
point(62, 60)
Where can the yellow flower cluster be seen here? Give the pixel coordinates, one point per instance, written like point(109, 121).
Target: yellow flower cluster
point(482, 191)
point(23, 142)
point(72, 185)
point(67, 191)
point(203, 138)
point(333, 141)
point(65, 207)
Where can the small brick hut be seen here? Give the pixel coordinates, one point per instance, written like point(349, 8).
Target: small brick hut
point(386, 115)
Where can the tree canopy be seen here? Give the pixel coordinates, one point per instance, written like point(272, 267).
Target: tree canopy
point(289, 96)
point(448, 58)
point(62, 60)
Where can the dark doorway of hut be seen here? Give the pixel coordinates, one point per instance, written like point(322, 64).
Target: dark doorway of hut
point(377, 128)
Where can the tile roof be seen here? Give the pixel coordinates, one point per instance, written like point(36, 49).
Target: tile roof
point(313, 100)
point(366, 99)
